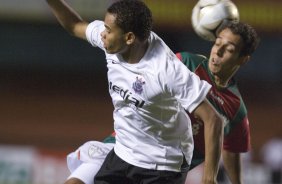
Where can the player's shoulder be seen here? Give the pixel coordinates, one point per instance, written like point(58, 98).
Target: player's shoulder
point(191, 60)
point(189, 55)
point(93, 31)
point(94, 25)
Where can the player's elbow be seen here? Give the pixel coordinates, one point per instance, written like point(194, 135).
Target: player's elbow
point(216, 123)
point(213, 121)
point(220, 123)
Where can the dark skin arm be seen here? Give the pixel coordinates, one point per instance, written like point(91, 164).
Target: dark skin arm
point(68, 18)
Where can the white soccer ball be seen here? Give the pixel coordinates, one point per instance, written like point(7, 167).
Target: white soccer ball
point(209, 15)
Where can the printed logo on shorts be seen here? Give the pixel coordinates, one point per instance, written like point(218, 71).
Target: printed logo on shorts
point(95, 150)
point(138, 85)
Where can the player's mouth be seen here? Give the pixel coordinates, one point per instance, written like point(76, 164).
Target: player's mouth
point(215, 61)
point(214, 65)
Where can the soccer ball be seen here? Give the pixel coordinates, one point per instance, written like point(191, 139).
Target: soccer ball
point(209, 15)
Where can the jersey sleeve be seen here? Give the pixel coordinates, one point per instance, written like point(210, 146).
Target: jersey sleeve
point(186, 86)
point(110, 139)
point(190, 60)
point(93, 33)
point(238, 140)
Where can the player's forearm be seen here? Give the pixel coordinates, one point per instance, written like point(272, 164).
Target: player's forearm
point(232, 165)
point(213, 145)
point(66, 16)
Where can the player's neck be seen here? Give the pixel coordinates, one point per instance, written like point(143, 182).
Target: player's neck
point(136, 52)
point(222, 79)
point(220, 83)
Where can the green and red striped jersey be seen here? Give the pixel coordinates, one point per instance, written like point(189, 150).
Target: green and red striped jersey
point(229, 104)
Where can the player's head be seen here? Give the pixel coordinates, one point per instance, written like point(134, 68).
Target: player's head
point(132, 16)
point(127, 22)
point(246, 32)
point(234, 44)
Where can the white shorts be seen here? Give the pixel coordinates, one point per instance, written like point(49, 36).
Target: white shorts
point(85, 162)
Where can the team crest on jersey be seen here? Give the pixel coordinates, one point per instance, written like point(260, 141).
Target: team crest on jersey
point(138, 85)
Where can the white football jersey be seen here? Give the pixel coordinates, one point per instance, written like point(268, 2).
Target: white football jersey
point(153, 130)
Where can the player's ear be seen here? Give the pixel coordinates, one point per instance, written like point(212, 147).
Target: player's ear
point(244, 59)
point(130, 38)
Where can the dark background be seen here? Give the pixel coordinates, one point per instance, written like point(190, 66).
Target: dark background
point(54, 93)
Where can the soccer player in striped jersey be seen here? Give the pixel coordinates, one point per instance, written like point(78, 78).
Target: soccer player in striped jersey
point(233, 47)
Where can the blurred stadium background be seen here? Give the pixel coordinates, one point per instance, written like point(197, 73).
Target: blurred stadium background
point(53, 87)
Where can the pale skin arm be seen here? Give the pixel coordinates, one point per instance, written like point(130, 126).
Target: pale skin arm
point(213, 140)
point(68, 18)
point(232, 165)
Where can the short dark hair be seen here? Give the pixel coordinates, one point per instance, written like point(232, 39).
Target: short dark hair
point(248, 34)
point(133, 16)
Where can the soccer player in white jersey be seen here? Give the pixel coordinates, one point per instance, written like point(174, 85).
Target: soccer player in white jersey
point(153, 131)
point(235, 43)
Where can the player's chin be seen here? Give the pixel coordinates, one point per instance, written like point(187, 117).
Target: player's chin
point(109, 51)
point(214, 69)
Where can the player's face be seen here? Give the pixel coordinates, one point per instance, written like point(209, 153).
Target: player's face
point(225, 57)
point(113, 36)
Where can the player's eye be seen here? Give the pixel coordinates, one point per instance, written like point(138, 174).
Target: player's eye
point(107, 29)
point(230, 49)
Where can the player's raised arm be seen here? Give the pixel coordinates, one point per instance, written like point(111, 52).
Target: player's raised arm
point(213, 140)
point(68, 18)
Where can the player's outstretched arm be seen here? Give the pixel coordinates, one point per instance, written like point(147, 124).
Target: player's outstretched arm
point(213, 140)
point(232, 165)
point(68, 18)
